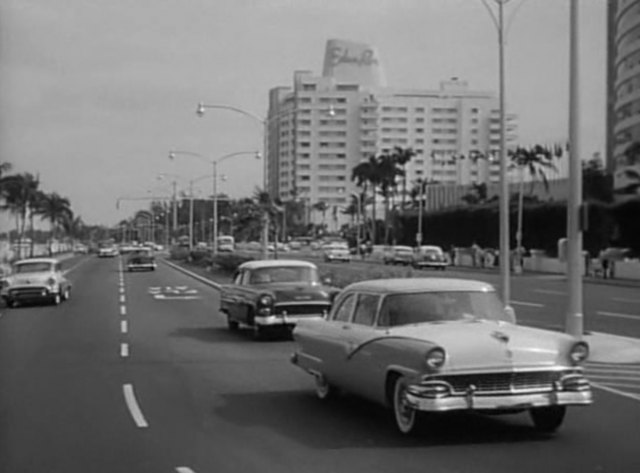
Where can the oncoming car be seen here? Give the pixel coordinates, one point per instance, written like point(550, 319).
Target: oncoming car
point(429, 256)
point(33, 280)
point(274, 294)
point(398, 255)
point(439, 345)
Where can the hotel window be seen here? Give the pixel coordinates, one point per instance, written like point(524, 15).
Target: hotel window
point(308, 86)
point(419, 110)
point(474, 110)
point(304, 122)
point(419, 130)
point(304, 178)
point(419, 141)
point(347, 87)
point(419, 120)
point(304, 100)
point(304, 144)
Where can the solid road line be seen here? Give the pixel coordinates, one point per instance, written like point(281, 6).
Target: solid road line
point(134, 408)
point(184, 469)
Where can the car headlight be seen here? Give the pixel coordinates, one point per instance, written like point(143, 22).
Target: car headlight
point(435, 358)
point(579, 353)
point(51, 282)
point(265, 300)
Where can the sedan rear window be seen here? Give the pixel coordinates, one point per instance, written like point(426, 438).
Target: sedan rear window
point(407, 309)
point(32, 267)
point(299, 274)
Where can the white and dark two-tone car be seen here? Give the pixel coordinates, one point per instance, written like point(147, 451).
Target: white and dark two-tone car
point(141, 259)
point(34, 280)
point(440, 345)
point(275, 294)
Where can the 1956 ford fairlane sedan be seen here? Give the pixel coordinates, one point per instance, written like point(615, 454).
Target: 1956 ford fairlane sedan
point(275, 294)
point(437, 345)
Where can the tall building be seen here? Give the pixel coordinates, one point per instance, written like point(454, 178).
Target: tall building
point(623, 104)
point(321, 127)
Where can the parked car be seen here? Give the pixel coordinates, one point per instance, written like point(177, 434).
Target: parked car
point(439, 345)
point(274, 294)
point(141, 259)
point(429, 256)
point(36, 279)
point(398, 255)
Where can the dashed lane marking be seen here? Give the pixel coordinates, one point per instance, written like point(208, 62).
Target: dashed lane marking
point(626, 299)
point(124, 350)
point(527, 304)
point(617, 315)
point(134, 408)
point(550, 291)
point(123, 310)
point(124, 326)
point(184, 469)
point(635, 397)
point(122, 299)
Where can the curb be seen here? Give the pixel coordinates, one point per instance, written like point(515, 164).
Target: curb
point(202, 279)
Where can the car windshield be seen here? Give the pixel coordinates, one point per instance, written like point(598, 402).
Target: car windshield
point(297, 274)
point(32, 267)
point(416, 308)
point(403, 251)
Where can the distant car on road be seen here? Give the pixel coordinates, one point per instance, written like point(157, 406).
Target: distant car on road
point(398, 255)
point(429, 256)
point(36, 279)
point(439, 345)
point(336, 252)
point(274, 294)
point(141, 259)
point(108, 251)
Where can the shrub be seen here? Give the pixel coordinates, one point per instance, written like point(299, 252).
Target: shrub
point(230, 262)
point(179, 253)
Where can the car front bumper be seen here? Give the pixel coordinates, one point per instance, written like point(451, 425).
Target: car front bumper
point(499, 402)
point(134, 266)
point(30, 293)
point(284, 320)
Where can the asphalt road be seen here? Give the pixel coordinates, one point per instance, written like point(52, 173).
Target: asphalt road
point(142, 376)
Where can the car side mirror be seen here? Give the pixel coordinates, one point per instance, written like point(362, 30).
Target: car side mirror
point(510, 314)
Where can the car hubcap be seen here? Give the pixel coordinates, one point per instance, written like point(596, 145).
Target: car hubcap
point(405, 414)
point(322, 387)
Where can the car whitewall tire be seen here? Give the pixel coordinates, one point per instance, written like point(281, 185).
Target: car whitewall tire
point(57, 298)
point(66, 294)
point(405, 415)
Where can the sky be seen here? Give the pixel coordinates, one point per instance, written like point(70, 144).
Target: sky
point(95, 93)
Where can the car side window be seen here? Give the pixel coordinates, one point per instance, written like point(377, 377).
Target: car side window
point(344, 310)
point(366, 309)
point(237, 279)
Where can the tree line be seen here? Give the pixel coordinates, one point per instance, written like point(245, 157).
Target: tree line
point(22, 197)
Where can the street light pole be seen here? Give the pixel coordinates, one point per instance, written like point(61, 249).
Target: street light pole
point(420, 204)
point(574, 318)
point(190, 215)
point(215, 207)
point(504, 182)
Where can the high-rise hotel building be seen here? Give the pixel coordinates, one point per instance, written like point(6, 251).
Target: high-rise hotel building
point(323, 126)
point(623, 77)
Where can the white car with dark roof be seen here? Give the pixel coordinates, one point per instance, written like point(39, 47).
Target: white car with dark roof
point(440, 345)
point(35, 279)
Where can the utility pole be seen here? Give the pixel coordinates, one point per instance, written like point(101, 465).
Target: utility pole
point(574, 318)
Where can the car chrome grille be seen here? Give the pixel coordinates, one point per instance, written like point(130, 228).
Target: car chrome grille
point(302, 309)
point(503, 383)
point(33, 291)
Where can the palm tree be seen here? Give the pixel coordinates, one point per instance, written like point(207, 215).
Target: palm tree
point(535, 159)
point(322, 207)
point(365, 174)
point(402, 156)
point(19, 192)
point(56, 209)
